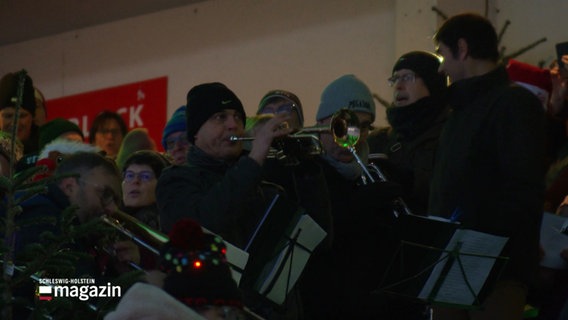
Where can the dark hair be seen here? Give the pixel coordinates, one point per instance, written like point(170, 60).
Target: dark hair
point(82, 162)
point(101, 118)
point(477, 31)
point(148, 157)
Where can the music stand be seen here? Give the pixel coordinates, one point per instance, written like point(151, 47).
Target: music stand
point(443, 264)
point(279, 249)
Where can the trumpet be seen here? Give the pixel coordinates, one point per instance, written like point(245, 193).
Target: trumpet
point(344, 127)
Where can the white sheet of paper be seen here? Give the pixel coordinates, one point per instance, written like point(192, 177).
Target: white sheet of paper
point(476, 269)
point(553, 240)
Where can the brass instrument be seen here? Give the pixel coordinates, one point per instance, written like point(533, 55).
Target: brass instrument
point(344, 127)
point(136, 231)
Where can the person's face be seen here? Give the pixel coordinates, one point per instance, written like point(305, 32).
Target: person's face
point(95, 193)
point(283, 106)
point(7, 116)
point(109, 137)
point(214, 135)
point(139, 186)
point(336, 151)
point(177, 146)
point(450, 65)
point(408, 87)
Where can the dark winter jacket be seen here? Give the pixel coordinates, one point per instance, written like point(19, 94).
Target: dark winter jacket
point(410, 144)
point(362, 243)
point(229, 199)
point(489, 166)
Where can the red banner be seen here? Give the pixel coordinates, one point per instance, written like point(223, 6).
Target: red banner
point(141, 104)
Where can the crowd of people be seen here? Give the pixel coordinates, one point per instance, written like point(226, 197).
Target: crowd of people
point(470, 138)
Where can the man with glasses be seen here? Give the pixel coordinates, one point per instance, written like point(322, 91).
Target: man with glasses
point(282, 101)
point(174, 137)
point(94, 190)
point(416, 117)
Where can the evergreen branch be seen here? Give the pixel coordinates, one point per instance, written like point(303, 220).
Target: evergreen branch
point(22, 177)
point(5, 184)
point(30, 193)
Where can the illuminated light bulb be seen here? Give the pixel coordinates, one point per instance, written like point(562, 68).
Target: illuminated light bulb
point(224, 250)
point(197, 264)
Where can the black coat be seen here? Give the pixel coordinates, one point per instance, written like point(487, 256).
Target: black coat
point(490, 166)
point(410, 144)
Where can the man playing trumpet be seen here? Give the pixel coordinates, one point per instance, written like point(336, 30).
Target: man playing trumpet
point(221, 186)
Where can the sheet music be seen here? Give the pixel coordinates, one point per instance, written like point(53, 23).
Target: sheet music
point(309, 235)
point(454, 288)
point(553, 240)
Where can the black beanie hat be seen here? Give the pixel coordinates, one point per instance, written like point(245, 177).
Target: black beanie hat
point(9, 92)
point(425, 65)
point(206, 99)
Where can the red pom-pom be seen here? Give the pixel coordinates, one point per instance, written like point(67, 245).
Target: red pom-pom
point(187, 235)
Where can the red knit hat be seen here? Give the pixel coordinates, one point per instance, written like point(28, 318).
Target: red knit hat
point(533, 78)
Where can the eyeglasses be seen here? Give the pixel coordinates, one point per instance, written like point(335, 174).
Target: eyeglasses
point(181, 139)
point(143, 176)
point(407, 77)
point(285, 108)
point(105, 193)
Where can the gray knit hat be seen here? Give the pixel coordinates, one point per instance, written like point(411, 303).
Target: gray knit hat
point(346, 92)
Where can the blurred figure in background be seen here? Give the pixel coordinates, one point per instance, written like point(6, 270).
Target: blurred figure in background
point(135, 140)
point(174, 137)
point(107, 131)
point(27, 131)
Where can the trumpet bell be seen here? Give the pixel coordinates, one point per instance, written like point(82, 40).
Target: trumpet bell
point(345, 128)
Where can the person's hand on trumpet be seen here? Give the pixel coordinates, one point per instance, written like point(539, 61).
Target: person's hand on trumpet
point(265, 134)
point(126, 252)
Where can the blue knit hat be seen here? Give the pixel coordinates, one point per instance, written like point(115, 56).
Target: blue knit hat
point(176, 123)
point(346, 92)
